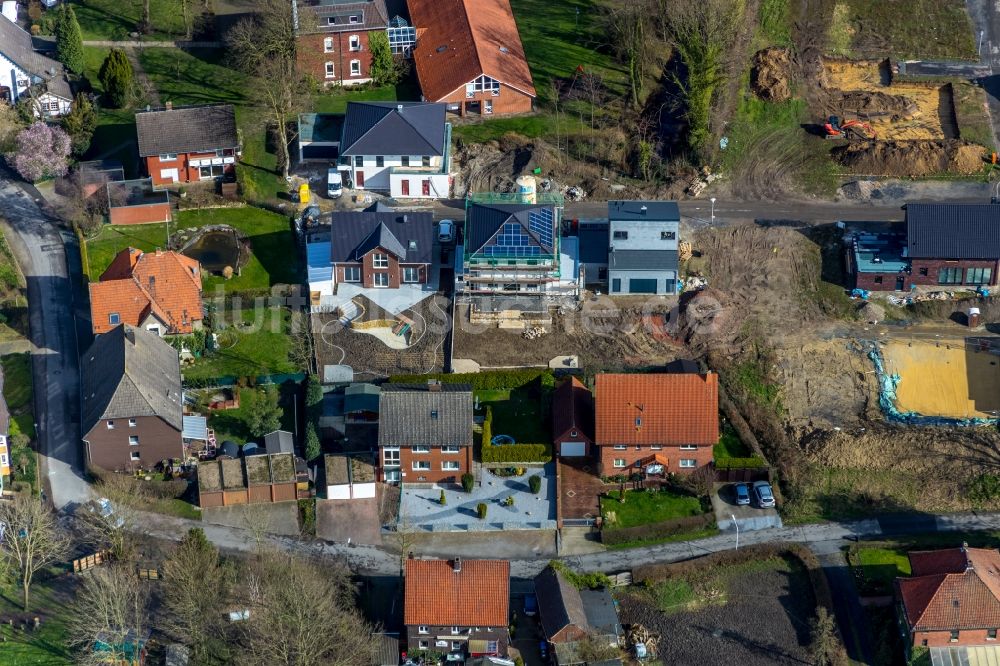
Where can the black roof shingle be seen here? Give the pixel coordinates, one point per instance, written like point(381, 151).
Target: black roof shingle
point(186, 130)
point(953, 231)
point(393, 128)
point(483, 221)
point(414, 414)
point(407, 235)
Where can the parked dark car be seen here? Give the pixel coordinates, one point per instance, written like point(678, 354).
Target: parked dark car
point(530, 605)
point(543, 649)
point(762, 492)
point(741, 492)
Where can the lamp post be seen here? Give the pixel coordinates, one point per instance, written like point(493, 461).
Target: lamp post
point(713, 208)
point(737, 526)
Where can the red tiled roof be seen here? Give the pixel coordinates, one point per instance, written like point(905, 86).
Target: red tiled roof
point(670, 409)
point(477, 596)
point(167, 284)
point(573, 409)
point(458, 40)
point(947, 597)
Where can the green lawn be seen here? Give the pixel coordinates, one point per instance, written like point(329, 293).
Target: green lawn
point(642, 508)
point(47, 646)
point(529, 126)
point(925, 29)
point(231, 423)
point(110, 20)
point(274, 259)
point(520, 413)
point(258, 345)
point(876, 568)
point(194, 76)
point(730, 445)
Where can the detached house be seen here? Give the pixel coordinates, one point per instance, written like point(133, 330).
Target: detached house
point(425, 432)
point(569, 615)
point(514, 248)
point(27, 74)
point(668, 422)
point(132, 406)
point(458, 607)
point(951, 599)
point(188, 144)
point(156, 291)
point(397, 147)
point(573, 419)
point(642, 247)
point(332, 38)
point(469, 56)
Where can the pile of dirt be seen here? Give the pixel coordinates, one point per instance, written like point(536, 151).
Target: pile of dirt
point(771, 73)
point(493, 166)
point(870, 104)
point(913, 159)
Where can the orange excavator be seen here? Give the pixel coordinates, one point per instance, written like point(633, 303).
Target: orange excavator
point(848, 129)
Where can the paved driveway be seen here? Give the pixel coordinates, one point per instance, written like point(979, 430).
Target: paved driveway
point(747, 517)
point(422, 511)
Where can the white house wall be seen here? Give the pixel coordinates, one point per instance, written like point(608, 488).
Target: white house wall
point(377, 178)
point(11, 75)
point(339, 491)
point(363, 490)
point(440, 185)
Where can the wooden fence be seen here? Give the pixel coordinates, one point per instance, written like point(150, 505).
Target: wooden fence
point(90, 561)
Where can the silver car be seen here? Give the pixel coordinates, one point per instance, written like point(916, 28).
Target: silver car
point(762, 492)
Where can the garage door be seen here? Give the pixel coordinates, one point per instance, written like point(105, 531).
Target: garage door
point(573, 449)
point(642, 286)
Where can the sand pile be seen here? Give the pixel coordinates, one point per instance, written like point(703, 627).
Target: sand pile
point(912, 159)
point(770, 74)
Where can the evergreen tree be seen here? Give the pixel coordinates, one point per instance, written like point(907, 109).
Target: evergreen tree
point(69, 39)
point(117, 78)
point(383, 67)
point(313, 449)
point(80, 123)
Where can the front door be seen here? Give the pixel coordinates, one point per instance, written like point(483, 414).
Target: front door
point(359, 179)
point(899, 283)
point(392, 476)
point(425, 188)
point(405, 185)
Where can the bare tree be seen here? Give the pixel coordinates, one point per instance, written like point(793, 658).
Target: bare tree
point(301, 614)
point(32, 540)
point(114, 526)
point(256, 519)
point(197, 586)
point(263, 47)
point(627, 23)
point(111, 609)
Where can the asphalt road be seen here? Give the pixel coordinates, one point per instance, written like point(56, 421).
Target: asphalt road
point(38, 243)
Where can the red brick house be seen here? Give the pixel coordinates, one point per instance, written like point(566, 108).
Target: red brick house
point(156, 291)
point(458, 607)
point(952, 597)
point(666, 419)
point(188, 144)
point(381, 249)
point(573, 420)
point(469, 56)
point(331, 42)
point(132, 414)
point(425, 432)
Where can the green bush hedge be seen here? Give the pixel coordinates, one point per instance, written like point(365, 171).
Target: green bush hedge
point(483, 381)
point(753, 462)
point(512, 453)
point(660, 530)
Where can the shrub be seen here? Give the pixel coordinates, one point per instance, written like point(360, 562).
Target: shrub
point(666, 528)
point(518, 661)
point(513, 453)
point(481, 510)
point(468, 482)
point(482, 381)
point(591, 580)
point(509, 501)
point(307, 517)
point(117, 77)
point(444, 500)
point(984, 488)
point(42, 152)
point(753, 462)
point(487, 430)
point(535, 483)
point(69, 40)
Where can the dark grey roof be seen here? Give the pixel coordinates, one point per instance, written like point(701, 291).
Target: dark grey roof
point(130, 372)
point(186, 129)
point(412, 414)
point(408, 235)
point(17, 46)
point(600, 610)
point(373, 12)
point(654, 210)
point(953, 231)
point(393, 128)
point(361, 397)
point(593, 243)
point(559, 603)
point(483, 221)
point(279, 441)
point(386, 650)
point(643, 260)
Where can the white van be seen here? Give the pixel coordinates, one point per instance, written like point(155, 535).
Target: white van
point(334, 184)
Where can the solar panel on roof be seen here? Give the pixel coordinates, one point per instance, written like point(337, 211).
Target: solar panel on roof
point(540, 223)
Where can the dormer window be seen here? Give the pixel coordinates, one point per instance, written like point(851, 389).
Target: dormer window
point(331, 20)
point(354, 18)
point(668, 235)
point(434, 414)
point(638, 422)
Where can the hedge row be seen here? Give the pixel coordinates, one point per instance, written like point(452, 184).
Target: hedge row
point(753, 462)
point(482, 381)
point(513, 453)
point(666, 528)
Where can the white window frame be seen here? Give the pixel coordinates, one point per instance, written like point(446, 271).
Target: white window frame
point(488, 107)
point(110, 423)
point(132, 423)
point(687, 463)
point(450, 466)
point(380, 280)
point(164, 157)
point(456, 631)
point(456, 645)
point(328, 45)
point(354, 19)
point(451, 448)
point(422, 629)
point(133, 440)
point(352, 274)
point(331, 71)
point(114, 318)
point(656, 447)
point(619, 462)
point(421, 465)
point(619, 447)
point(411, 275)
point(421, 448)
point(355, 68)
point(354, 42)
point(390, 457)
point(134, 456)
point(3, 459)
point(380, 260)
point(689, 447)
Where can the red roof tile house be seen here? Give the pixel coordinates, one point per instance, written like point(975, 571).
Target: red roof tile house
point(469, 56)
point(952, 597)
point(188, 144)
point(457, 607)
point(573, 419)
point(664, 419)
point(156, 291)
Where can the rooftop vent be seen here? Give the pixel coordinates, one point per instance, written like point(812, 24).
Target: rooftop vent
point(399, 107)
point(504, 49)
point(442, 48)
point(169, 105)
point(643, 210)
point(456, 565)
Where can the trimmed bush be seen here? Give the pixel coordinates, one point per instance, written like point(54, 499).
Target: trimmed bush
point(513, 453)
point(483, 381)
point(535, 483)
point(487, 428)
point(481, 510)
point(468, 482)
point(753, 462)
point(444, 500)
point(661, 530)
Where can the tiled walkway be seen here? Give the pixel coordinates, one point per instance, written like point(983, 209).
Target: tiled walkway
point(580, 489)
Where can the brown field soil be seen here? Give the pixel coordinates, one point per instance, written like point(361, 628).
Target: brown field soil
point(944, 379)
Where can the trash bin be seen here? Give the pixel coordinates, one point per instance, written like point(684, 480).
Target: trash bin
point(973, 317)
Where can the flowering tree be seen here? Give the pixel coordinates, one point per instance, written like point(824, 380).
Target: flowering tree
point(42, 152)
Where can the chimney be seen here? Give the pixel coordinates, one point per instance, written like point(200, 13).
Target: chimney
point(130, 334)
point(434, 385)
point(399, 108)
point(405, 218)
point(170, 105)
point(643, 210)
point(456, 565)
